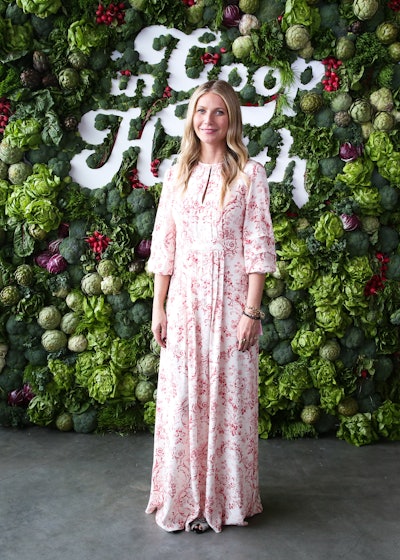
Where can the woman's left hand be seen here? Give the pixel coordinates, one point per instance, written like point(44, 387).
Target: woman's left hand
point(248, 331)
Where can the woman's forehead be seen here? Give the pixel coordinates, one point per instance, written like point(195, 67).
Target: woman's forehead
point(212, 99)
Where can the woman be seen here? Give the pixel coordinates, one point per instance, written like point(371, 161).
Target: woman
point(212, 245)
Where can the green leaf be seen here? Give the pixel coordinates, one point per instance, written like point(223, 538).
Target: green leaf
point(24, 243)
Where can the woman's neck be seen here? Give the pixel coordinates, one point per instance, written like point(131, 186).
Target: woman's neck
point(211, 155)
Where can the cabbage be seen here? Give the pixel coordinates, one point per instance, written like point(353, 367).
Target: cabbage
point(19, 172)
point(242, 47)
point(280, 307)
point(91, 284)
point(49, 317)
point(77, 343)
point(54, 340)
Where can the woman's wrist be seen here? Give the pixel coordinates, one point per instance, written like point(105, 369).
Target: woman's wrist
point(253, 312)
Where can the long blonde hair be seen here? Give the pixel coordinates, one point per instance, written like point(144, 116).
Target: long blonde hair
point(236, 155)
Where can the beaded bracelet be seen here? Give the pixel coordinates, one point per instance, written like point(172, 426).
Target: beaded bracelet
point(256, 311)
point(254, 317)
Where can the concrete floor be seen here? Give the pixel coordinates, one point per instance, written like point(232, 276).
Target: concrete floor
point(67, 496)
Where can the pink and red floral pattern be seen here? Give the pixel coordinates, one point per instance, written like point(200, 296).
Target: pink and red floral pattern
point(206, 433)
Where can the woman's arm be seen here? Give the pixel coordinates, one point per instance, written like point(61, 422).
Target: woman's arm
point(249, 329)
point(159, 319)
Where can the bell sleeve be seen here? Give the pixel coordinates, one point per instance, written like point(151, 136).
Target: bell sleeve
point(258, 235)
point(163, 241)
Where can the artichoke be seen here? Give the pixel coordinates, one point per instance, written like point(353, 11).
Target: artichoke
point(365, 9)
point(31, 78)
point(24, 275)
point(9, 296)
point(311, 102)
point(382, 99)
point(341, 102)
point(342, 119)
point(387, 32)
point(361, 111)
point(40, 62)
point(78, 59)
point(297, 37)
point(310, 414)
point(394, 51)
point(345, 48)
point(68, 78)
point(348, 406)
point(384, 121)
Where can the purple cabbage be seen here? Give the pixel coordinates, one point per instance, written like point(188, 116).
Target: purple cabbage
point(56, 264)
point(350, 152)
point(350, 221)
point(231, 16)
point(142, 250)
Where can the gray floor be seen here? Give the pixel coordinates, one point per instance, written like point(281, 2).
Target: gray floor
point(67, 496)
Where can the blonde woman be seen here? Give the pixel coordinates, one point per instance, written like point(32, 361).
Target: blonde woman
point(212, 245)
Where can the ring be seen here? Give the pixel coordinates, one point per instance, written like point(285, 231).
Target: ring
point(243, 340)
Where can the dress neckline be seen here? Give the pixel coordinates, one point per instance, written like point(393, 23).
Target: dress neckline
point(207, 165)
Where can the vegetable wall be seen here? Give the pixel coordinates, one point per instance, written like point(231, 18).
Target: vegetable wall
point(92, 101)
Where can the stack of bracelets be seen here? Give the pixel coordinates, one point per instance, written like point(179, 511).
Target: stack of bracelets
point(255, 314)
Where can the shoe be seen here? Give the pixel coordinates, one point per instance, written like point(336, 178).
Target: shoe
point(199, 525)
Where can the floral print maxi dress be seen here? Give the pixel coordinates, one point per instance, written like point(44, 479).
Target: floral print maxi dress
point(206, 432)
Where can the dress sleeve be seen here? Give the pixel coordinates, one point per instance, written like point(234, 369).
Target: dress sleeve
point(258, 235)
point(162, 255)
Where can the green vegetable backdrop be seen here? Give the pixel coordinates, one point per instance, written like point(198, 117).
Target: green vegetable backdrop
point(76, 350)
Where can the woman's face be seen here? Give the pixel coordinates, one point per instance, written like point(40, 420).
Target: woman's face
point(210, 120)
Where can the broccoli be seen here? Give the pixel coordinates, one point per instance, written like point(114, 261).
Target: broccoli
point(282, 353)
point(140, 311)
point(60, 166)
point(357, 243)
point(393, 268)
point(85, 422)
point(124, 326)
point(115, 204)
point(36, 356)
point(389, 197)
point(353, 337)
point(78, 228)
point(269, 337)
point(331, 166)
point(15, 359)
point(388, 239)
point(10, 379)
point(234, 78)
point(72, 248)
point(140, 200)
point(14, 326)
point(269, 137)
point(144, 223)
point(286, 328)
point(324, 118)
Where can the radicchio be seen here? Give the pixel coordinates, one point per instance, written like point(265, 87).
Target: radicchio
point(350, 221)
point(231, 17)
point(350, 152)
